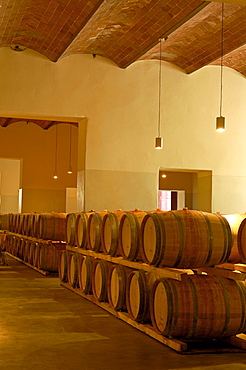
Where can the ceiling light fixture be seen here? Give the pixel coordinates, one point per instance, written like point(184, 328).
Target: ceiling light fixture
point(158, 139)
point(55, 172)
point(220, 121)
point(70, 170)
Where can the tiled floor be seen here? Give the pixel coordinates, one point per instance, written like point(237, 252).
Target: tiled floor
point(45, 326)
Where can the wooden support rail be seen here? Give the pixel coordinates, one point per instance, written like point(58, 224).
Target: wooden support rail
point(166, 272)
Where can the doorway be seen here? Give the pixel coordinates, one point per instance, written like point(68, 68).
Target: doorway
point(195, 185)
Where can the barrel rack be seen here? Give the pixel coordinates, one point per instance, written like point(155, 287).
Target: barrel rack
point(235, 343)
point(59, 245)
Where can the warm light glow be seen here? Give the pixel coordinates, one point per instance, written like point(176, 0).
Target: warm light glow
point(220, 124)
point(158, 143)
point(164, 175)
point(70, 170)
point(55, 176)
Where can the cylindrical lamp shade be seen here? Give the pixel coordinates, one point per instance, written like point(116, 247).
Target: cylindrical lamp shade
point(158, 143)
point(220, 124)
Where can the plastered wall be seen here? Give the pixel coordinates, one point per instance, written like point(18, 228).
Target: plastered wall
point(121, 106)
point(10, 170)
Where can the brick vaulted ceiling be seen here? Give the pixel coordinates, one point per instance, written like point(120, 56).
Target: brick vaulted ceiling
point(125, 31)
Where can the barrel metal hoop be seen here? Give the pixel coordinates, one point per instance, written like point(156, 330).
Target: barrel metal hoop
point(181, 233)
point(170, 308)
point(81, 243)
point(135, 232)
point(143, 295)
point(158, 256)
point(211, 237)
point(98, 222)
point(195, 307)
point(161, 237)
point(227, 305)
point(114, 233)
point(227, 238)
point(175, 307)
point(71, 218)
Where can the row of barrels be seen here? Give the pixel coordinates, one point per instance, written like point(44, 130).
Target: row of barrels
point(43, 255)
point(200, 306)
point(177, 239)
point(47, 226)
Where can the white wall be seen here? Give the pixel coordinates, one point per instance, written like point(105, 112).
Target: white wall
point(9, 186)
point(121, 106)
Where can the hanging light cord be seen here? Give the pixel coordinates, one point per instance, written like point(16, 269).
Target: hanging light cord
point(70, 149)
point(56, 151)
point(221, 58)
point(159, 109)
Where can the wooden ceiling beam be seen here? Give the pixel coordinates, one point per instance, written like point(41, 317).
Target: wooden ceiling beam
point(7, 122)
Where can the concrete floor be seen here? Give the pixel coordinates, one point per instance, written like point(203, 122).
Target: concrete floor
point(45, 326)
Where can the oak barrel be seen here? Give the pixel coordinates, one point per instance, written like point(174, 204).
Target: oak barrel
point(200, 307)
point(63, 266)
point(47, 257)
point(94, 227)
point(241, 241)
point(137, 296)
point(100, 279)
point(117, 280)
point(185, 239)
point(110, 232)
point(73, 269)
point(85, 274)
point(70, 228)
point(52, 226)
point(81, 229)
point(235, 221)
point(129, 234)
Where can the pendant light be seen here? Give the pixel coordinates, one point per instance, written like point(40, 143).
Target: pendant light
point(220, 121)
point(55, 172)
point(158, 139)
point(70, 170)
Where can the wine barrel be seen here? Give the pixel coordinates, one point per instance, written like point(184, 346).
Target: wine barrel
point(21, 248)
point(47, 257)
point(129, 234)
point(36, 254)
point(94, 227)
point(52, 226)
point(6, 221)
point(63, 266)
point(26, 250)
point(73, 269)
point(32, 252)
point(85, 274)
point(185, 239)
point(200, 307)
point(110, 232)
point(234, 221)
point(9, 242)
point(12, 244)
point(100, 280)
point(137, 296)
point(34, 225)
point(241, 241)
point(81, 229)
point(117, 280)
point(70, 228)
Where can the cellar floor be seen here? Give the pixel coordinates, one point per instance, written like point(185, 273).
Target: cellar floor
point(46, 326)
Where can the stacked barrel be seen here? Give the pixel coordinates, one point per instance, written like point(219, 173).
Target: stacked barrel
point(36, 238)
point(198, 306)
